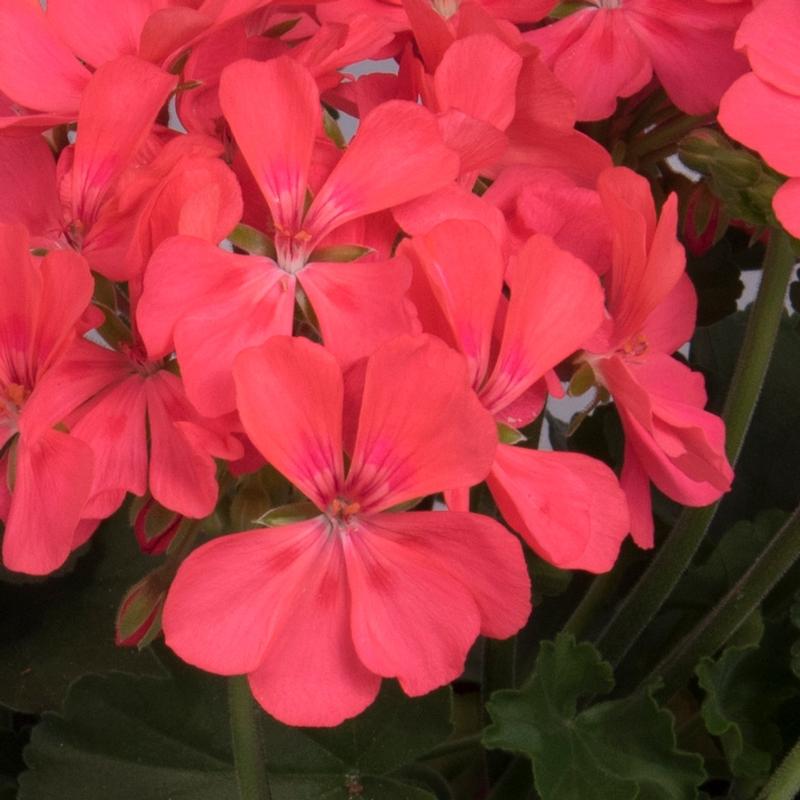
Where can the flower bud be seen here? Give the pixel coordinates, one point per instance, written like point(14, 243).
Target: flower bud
point(704, 223)
point(139, 617)
point(154, 526)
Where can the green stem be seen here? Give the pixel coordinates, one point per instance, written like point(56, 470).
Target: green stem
point(601, 589)
point(248, 757)
point(759, 341)
point(499, 665)
point(664, 135)
point(732, 610)
point(465, 744)
point(785, 781)
point(647, 596)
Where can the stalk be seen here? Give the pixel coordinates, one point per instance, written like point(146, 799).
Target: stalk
point(669, 563)
point(248, 757)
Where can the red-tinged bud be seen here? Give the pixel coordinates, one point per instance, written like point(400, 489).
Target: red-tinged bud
point(155, 527)
point(704, 222)
point(139, 617)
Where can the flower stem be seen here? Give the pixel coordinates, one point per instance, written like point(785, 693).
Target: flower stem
point(647, 596)
point(785, 781)
point(733, 609)
point(466, 744)
point(759, 341)
point(668, 134)
point(248, 757)
point(596, 595)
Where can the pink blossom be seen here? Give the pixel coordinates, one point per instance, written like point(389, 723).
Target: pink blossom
point(317, 612)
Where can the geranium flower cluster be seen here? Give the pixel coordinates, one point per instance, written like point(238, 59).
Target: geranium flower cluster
point(201, 279)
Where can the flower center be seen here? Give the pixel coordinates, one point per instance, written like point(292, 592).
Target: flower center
point(292, 249)
point(343, 510)
point(610, 3)
point(12, 398)
point(136, 354)
point(635, 346)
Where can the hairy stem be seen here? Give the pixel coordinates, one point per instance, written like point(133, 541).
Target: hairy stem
point(733, 609)
point(785, 781)
point(248, 757)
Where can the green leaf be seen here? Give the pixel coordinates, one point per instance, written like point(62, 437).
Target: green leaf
point(63, 626)
point(744, 688)
point(621, 749)
point(388, 735)
point(134, 738)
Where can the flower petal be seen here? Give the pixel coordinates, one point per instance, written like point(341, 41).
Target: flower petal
point(462, 263)
point(117, 113)
point(764, 119)
point(409, 619)
point(276, 146)
point(232, 593)
point(310, 673)
point(397, 154)
point(478, 552)
point(28, 176)
point(490, 93)
point(556, 304)
point(786, 204)
point(359, 304)
point(53, 478)
point(412, 438)
point(36, 69)
point(289, 394)
point(567, 506)
point(183, 474)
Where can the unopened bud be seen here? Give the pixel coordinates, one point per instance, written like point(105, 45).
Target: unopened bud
point(704, 222)
point(139, 617)
point(737, 169)
point(154, 526)
point(700, 148)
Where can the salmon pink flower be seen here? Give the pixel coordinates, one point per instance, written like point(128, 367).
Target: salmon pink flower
point(317, 612)
point(762, 109)
point(439, 20)
point(119, 190)
point(144, 434)
point(669, 439)
point(324, 50)
point(612, 48)
point(210, 305)
point(544, 200)
point(50, 54)
point(567, 506)
point(45, 473)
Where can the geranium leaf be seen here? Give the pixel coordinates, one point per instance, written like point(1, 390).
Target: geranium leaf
point(623, 749)
point(744, 691)
point(149, 738)
point(62, 626)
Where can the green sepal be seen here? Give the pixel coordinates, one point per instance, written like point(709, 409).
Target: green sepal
point(339, 252)
point(252, 241)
